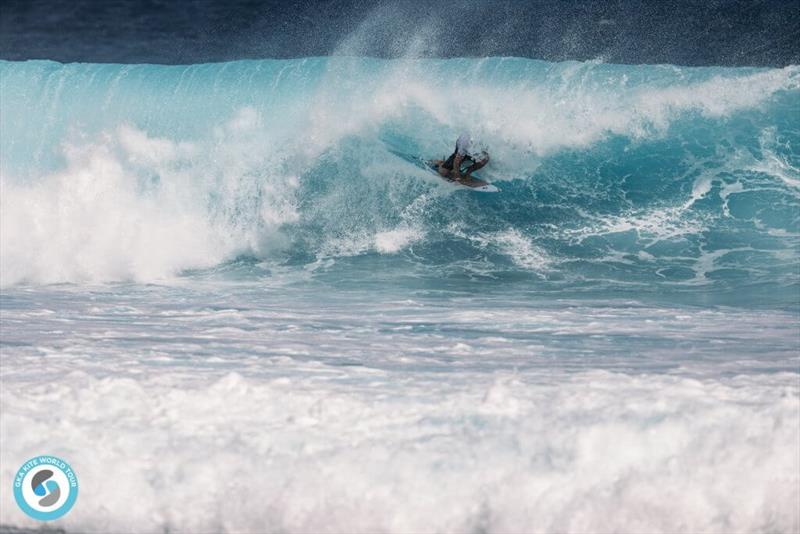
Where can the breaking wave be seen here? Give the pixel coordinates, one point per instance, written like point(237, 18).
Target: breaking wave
point(658, 178)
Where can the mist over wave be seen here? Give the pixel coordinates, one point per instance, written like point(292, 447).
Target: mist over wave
point(618, 176)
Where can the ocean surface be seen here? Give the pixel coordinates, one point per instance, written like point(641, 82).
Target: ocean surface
point(763, 33)
point(232, 304)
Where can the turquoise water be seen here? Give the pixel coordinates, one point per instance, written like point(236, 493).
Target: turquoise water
point(641, 180)
point(219, 277)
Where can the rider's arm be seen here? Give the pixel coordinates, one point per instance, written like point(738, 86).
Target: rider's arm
point(457, 166)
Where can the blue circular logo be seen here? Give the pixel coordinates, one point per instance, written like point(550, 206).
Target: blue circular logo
point(45, 487)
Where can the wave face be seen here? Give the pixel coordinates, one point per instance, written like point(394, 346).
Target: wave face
point(650, 179)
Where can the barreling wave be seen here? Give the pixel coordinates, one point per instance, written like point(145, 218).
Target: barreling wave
point(657, 178)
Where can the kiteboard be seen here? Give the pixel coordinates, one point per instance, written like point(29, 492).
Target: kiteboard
point(473, 183)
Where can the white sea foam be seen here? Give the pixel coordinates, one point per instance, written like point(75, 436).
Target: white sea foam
point(394, 240)
point(773, 163)
point(301, 448)
point(129, 206)
point(92, 222)
point(522, 251)
point(240, 409)
point(651, 225)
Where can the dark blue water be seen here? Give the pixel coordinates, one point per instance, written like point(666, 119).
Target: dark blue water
point(721, 32)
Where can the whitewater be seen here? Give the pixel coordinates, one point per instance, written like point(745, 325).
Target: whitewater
point(232, 306)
